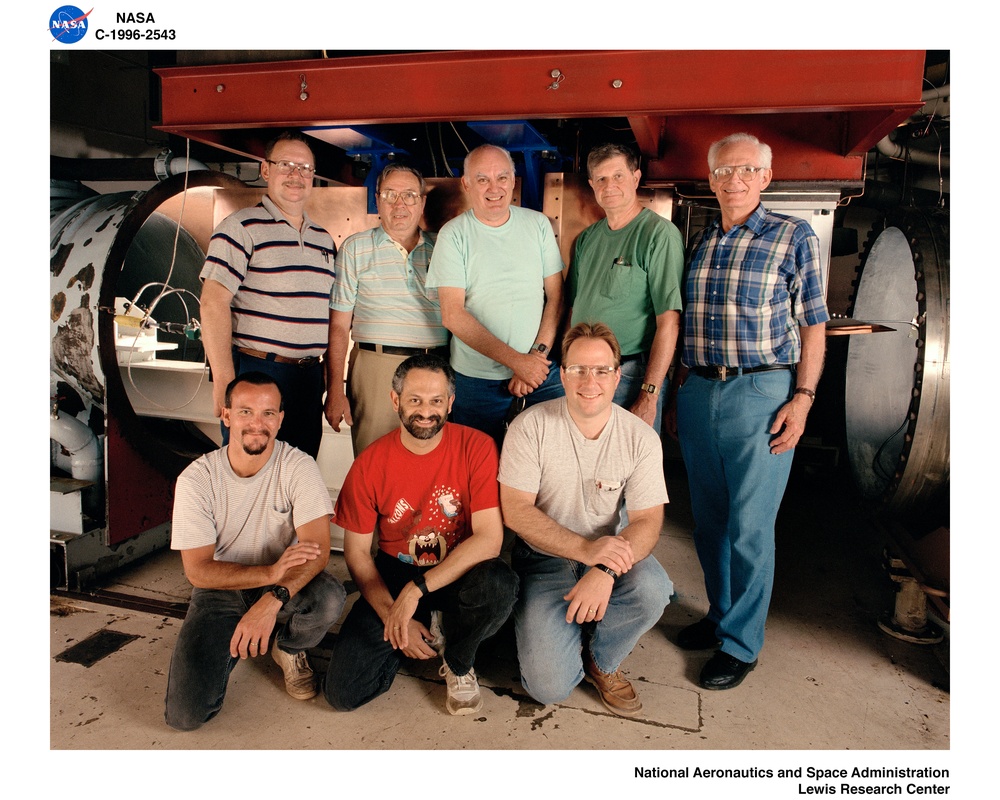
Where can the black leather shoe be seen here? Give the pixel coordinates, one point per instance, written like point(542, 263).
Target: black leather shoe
point(699, 636)
point(724, 672)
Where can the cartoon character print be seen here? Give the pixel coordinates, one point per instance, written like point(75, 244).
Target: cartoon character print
point(432, 531)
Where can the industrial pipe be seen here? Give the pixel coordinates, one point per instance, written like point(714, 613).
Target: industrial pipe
point(163, 166)
point(86, 462)
point(936, 104)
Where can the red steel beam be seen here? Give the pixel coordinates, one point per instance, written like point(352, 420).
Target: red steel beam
point(863, 93)
point(421, 87)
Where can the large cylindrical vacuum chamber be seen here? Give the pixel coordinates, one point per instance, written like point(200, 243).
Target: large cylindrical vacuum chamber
point(124, 245)
point(897, 399)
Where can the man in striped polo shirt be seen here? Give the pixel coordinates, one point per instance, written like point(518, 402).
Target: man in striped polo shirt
point(380, 299)
point(266, 285)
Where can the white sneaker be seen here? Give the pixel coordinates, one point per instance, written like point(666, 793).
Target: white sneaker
point(300, 682)
point(463, 691)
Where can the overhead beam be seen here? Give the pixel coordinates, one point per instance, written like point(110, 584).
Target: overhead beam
point(826, 107)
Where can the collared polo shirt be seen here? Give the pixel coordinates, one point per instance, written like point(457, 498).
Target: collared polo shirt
point(280, 279)
point(385, 287)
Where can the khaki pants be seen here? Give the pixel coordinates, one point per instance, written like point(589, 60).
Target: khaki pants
point(369, 381)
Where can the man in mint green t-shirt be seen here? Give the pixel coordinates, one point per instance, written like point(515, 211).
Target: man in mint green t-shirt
point(498, 273)
point(626, 273)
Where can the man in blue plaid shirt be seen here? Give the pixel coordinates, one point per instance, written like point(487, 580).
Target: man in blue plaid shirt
point(754, 339)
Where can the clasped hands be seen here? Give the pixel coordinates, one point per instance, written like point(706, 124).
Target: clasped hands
point(588, 599)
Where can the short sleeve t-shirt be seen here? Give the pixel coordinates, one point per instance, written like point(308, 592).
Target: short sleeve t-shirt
point(420, 506)
point(582, 483)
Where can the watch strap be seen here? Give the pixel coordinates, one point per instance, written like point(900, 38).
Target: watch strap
point(652, 388)
point(421, 584)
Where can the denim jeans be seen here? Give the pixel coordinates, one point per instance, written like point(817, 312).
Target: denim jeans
point(633, 376)
point(549, 649)
point(201, 664)
point(474, 607)
point(736, 486)
point(483, 404)
point(302, 394)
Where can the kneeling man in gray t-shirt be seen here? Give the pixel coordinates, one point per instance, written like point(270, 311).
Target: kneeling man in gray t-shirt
point(590, 587)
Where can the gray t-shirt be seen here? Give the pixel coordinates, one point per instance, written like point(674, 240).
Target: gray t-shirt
point(579, 482)
point(249, 520)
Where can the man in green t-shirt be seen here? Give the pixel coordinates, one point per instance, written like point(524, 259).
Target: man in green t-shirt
point(626, 273)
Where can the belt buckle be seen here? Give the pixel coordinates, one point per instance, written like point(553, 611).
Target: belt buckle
point(721, 372)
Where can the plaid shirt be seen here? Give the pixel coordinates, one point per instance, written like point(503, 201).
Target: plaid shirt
point(748, 291)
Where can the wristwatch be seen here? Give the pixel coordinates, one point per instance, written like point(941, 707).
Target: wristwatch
point(651, 388)
point(541, 348)
point(281, 593)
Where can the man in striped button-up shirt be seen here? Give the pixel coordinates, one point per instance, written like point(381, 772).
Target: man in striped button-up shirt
point(266, 286)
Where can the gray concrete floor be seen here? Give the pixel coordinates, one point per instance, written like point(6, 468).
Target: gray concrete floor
point(828, 678)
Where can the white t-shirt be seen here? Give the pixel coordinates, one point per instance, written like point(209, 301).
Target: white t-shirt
point(579, 482)
point(251, 520)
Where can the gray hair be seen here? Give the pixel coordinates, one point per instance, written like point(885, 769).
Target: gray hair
point(473, 153)
point(391, 168)
point(763, 150)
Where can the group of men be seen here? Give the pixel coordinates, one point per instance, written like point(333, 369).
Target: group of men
point(470, 413)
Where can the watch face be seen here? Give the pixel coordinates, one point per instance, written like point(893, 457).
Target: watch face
point(281, 593)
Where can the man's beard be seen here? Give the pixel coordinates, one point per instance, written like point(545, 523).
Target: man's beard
point(422, 433)
point(254, 450)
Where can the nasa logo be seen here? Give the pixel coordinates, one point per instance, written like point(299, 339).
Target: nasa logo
point(68, 24)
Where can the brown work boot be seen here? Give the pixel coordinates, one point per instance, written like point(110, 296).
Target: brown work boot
point(616, 692)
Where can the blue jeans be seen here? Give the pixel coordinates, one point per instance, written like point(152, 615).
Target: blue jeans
point(549, 649)
point(483, 404)
point(474, 607)
point(633, 376)
point(302, 393)
point(736, 488)
point(201, 664)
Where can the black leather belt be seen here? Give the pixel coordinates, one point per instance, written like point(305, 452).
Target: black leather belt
point(298, 362)
point(720, 373)
point(403, 351)
point(633, 357)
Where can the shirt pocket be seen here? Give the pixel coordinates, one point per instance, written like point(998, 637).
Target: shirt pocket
point(619, 280)
point(279, 522)
point(606, 494)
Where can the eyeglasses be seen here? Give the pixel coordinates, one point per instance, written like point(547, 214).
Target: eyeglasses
point(580, 371)
point(390, 196)
point(288, 167)
point(744, 172)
